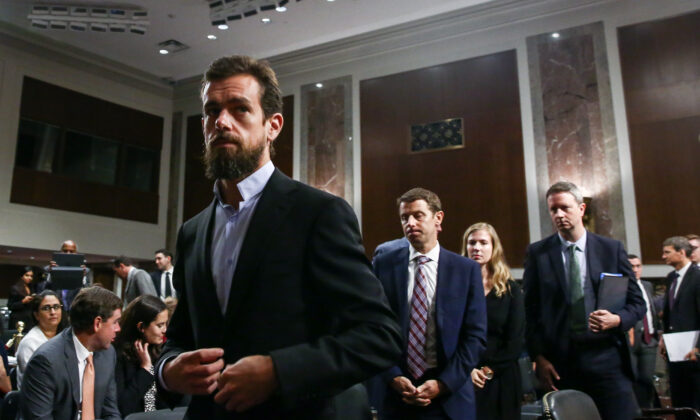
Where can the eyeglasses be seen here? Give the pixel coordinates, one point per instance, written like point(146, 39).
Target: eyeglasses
point(47, 308)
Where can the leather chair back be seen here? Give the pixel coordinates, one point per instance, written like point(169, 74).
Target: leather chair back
point(569, 404)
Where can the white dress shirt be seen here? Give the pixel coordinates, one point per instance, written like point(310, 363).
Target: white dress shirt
point(163, 287)
point(430, 270)
point(648, 306)
point(681, 274)
point(81, 354)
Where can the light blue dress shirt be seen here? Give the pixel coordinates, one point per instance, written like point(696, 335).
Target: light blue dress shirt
point(230, 227)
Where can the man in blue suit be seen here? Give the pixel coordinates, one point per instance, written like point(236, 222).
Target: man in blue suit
point(439, 299)
point(574, 344)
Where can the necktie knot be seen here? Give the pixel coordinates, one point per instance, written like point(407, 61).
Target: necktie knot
point(421, 259)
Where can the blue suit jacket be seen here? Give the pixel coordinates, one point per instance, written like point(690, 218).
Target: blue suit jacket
point(547, 297)
point(460, 309)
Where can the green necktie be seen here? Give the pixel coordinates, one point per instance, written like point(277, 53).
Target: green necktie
point(577, 311)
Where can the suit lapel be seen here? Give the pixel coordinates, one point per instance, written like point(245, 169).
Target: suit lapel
point(203, 289)
point(554, 252)
point(72, 365)
point(684, 284)
point(400, 279)
point(273, 206)
point(442, 292)
point(593, 262)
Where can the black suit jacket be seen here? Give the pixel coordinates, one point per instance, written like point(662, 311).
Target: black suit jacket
point(50, 387)
point(547, 297)
point(460, 318)
point(685, 315)
point(303, 292)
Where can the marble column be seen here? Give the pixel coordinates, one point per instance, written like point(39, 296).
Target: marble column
point(574, 124)
point(326, 136)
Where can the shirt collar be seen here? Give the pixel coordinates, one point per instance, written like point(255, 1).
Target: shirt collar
point(683, 270)
point(81, 351)
point(580, 244)
point(433, 254)
point(251, 186)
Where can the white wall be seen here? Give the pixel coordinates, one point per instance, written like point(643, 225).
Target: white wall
point(44, 228)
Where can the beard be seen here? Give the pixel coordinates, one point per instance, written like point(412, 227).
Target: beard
point(225, 163)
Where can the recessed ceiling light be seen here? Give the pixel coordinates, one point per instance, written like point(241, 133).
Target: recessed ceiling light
point(555, 35)
point(319, 85)
point(330, 1)
point(265, 20)
point(281, 9)
point(223, 27)
point(164, 52)
point(212, 37)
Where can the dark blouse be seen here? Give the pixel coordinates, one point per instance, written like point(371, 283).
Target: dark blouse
point(132, 383)
point(20, 311)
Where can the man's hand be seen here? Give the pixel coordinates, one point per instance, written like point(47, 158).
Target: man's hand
point(546, 373)
point(430, 389)
point(602, 320)
point(692, 355)
point(403, 386)
point(27, 299)
point(662, 347)
point(247, 383)
point(194, 372)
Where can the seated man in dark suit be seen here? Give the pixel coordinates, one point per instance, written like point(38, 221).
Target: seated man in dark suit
point(439, 299)
point(73, 373)
point(682, 313)
point(573, 343)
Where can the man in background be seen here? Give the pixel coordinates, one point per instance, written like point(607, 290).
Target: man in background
point(73, 373)
point(67, 295)
point(163, 277)
point(694, 241)
point(682, 313)
point(574, 344)
point(138, 282)
point(644, 339)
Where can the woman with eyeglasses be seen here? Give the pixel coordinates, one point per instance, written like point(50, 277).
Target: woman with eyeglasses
point(138, 345)
point(48, 313)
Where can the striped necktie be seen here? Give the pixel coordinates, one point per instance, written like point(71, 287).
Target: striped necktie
point(418, 322)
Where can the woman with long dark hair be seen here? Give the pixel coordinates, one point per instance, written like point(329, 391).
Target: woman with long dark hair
point(138, 346)
point(497, 377)
point(20, 300)
point(48, 314)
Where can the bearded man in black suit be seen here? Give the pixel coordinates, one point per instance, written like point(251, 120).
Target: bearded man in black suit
point(279, 310)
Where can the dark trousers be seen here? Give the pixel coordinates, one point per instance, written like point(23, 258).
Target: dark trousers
point(644, 358)
point(596, 369)
point(684, 378)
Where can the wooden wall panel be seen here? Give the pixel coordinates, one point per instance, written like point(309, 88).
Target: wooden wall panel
point(59, 192)
point(661, 75)
point(55, 105)
point(484, 181)
point(198, 189)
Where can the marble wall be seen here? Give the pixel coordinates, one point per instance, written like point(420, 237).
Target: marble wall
point(574, 124)
point(326, 136)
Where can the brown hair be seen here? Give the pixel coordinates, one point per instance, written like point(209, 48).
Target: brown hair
point(497, 265)
point(90, 303)
point(418, 193)
point(270, 93)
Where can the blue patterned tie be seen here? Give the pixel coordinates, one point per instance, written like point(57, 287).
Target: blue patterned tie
point(417, 364)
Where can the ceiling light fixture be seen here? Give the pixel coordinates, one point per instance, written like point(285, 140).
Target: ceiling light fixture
point(116, 19)
point(212, 37)
point(223, 26)
point(171, 46)
point(265, 20)
point(319, 85)
point(555, 35)
point(164, 52)
point(223, 11)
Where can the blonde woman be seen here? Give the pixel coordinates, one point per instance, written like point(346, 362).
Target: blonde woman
point(497, 378)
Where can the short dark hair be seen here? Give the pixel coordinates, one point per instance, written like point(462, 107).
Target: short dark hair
point(692, 236)
point(122, 260)
point(144, 309)
point(270, 93)
point(90, 303)
point(39, 299)
point(633, 257)
point(418, 193)
point(679, 243)
point(165, 252)
point(565, 186)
